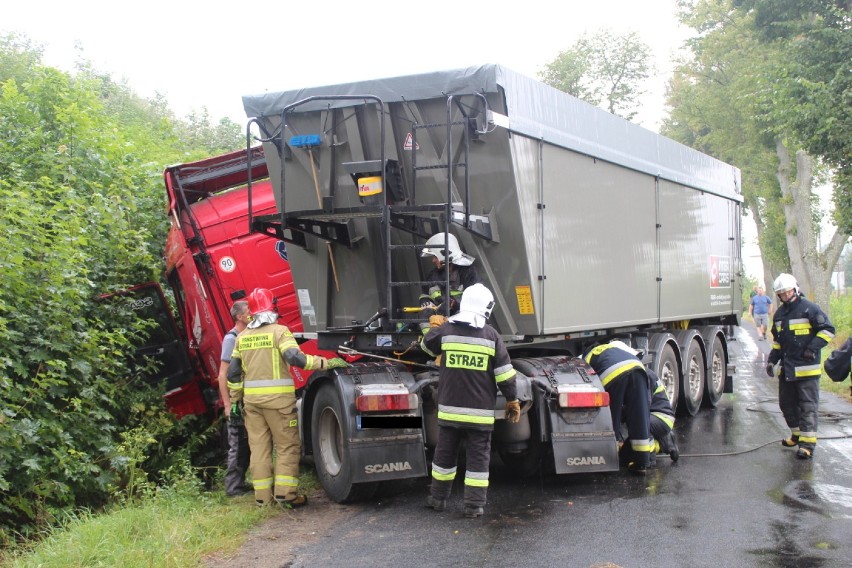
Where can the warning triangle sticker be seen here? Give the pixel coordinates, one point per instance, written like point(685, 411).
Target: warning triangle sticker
point(409, 141)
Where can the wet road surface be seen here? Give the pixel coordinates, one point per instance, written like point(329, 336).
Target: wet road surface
point(735, 498)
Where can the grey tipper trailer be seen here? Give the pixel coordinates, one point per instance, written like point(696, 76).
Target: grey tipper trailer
point(584, 226)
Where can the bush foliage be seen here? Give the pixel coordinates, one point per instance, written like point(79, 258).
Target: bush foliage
point(82, 211)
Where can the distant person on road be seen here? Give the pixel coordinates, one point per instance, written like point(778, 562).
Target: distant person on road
point(259, 374)
point(760, 309)
point(800, 329)
point(238, 446)
point(474, 364)
point(626, 380)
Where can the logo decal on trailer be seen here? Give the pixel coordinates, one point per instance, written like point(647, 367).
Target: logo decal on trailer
point(720, 271)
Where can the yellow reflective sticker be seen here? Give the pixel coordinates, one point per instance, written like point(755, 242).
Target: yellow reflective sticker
point(294, 423)
point(525, 301)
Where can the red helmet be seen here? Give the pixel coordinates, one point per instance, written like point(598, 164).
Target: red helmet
point(261, 300)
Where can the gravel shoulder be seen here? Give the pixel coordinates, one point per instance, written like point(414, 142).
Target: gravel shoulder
point(271, 544)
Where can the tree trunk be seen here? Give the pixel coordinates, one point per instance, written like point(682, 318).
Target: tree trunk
point(811, 268)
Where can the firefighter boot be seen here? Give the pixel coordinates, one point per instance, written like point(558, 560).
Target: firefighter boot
point(805, 453)
point(637, 469)
point(473, 511)
point(436, 504)
point(669, 446)
point(294, 503)
point(790, 442)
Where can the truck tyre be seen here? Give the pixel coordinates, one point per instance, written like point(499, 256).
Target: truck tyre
point(666, 367)
point(693, 379)
point(331, 450)
point(716, 374)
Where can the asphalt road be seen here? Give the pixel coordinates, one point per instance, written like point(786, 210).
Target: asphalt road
point(735, 498)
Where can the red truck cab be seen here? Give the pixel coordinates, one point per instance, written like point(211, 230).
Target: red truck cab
point(213, 259)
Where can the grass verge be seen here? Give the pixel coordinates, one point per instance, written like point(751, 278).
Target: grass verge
point(171, 529)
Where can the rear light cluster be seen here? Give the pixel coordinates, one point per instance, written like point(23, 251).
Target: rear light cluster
point(581, 396)
point(383, 398)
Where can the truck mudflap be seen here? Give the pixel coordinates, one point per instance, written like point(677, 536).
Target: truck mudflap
point(375, 424)
point(575, 408)
point(386, 455)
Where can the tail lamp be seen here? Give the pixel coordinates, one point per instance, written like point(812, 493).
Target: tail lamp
point(383, 398)
point(571, 396)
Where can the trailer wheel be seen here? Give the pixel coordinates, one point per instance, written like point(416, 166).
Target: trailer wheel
point(716, 378)
point(667, 369)
point(331, 451)
point(694, 374)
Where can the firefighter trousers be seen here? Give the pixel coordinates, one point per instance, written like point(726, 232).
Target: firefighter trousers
point(630, 394)
point(477, 458)
point(799, 402)
point(659, 430)
point(238, 456)
point(278, 428)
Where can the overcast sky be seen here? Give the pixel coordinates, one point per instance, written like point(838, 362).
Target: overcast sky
point(210, 53)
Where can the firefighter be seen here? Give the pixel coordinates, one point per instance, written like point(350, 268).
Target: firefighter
point(259, 376)
point(800, 329)
point(462, 273)
point(238, 449)
point(661, 424)
point(662, 420)
point(627, 382)
point(474, 363)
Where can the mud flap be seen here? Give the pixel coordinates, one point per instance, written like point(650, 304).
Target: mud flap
point(583, 441)
point(387, 457)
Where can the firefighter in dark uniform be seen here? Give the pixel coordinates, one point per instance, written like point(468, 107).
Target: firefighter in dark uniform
point(259, 375)
point(625, 379)
point(462, 273)
point(661, 424)
point(800, 329)
point(662, 419)
point(473, 363)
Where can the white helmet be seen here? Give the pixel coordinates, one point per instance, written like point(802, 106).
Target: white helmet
point(476, 305)
point(435, 247)
point(784, 282)
point(624, 347)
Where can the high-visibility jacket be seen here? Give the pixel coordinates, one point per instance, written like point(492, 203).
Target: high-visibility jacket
point(474, 364)
point(610, 362)
point(798, 326)
point(264, 377)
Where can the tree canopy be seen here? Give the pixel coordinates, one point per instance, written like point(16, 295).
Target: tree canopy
point(603, 69)
point(732, 99)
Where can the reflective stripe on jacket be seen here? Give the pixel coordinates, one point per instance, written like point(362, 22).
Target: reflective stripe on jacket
point(799, 326)
point(474, 365)
point(610, 362)
point(266, 379)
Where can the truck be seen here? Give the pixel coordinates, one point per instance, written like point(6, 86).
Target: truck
point(211, 259)
point(585, 227)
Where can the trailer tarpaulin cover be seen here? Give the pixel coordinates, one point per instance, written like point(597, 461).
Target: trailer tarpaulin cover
point(538, 111)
